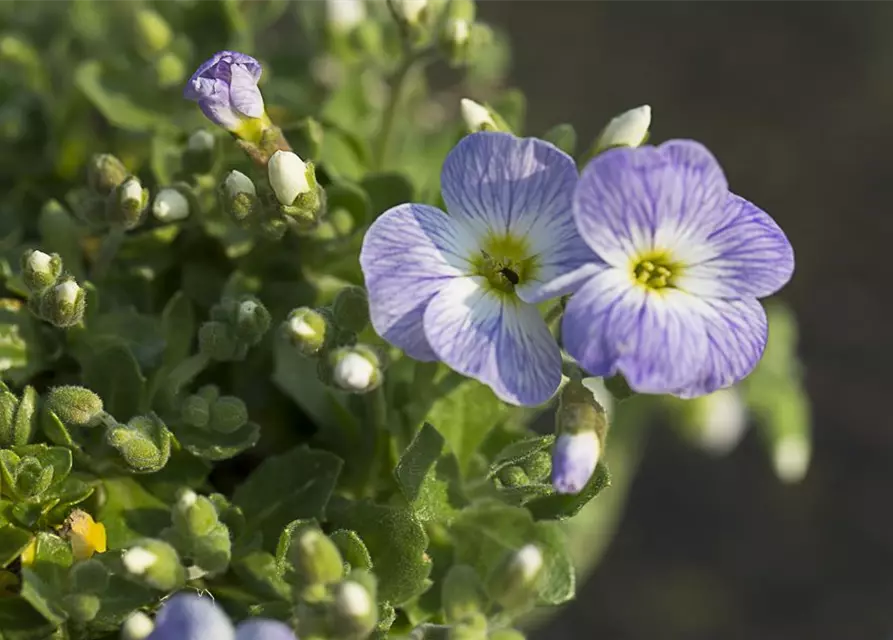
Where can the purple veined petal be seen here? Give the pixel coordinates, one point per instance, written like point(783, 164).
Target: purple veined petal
point(409, 254)
point(244, 94)
point(221, 113)
point(190, 617)
point(630, 202)
point(264, 630)
point(495, 339)
point(746, 254)
point(656, 339)
point(736, 331)
point(559, 284)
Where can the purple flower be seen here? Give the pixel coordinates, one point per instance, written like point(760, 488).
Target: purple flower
point(681, 262)
point(461, 288)
point(190, 617)
point(574, 457)
point(225, 88)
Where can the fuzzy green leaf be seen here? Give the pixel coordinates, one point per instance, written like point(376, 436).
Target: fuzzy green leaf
point(13, 541)
point(178, 327)
point(518, 452)
point(561, 507)
point(116, 377)
point(21, 621)
point(352, 549)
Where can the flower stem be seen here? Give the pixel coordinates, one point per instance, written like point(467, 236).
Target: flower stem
point(110, 245)
point(390, 112)
point(375, 431)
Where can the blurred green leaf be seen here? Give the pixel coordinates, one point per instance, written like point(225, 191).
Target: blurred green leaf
point(114, 374)
point(21, 621)
point(13, 541)
point(117, 108)
point(130, 512)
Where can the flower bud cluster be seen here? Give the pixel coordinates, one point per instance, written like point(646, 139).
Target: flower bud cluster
point(198, 535)
point(236, 325)
point(56, 296)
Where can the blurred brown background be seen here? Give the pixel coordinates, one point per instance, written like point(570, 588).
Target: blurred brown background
point(796, 100)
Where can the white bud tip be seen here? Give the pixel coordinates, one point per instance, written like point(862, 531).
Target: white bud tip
point(187, 499)
point(138, 560)
point(67, 292)
point(200, 140)
point(353, 600)
point(791, 458)
point(170, 206)
point(138, 626)
point(459, 31)
point(288, 176)
point(39, 262)
point(246, 310)
point(723, 419)
point(237, 182)
point(628, 129)
point(412, 9)
point(530, 560)
point(353, 372)
point(345, 14)
point(300, 328)
point(132, 190)
point(475, 115)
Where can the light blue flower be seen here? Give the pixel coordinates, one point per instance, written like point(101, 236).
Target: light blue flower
point(190, 617)
point(225, 88)
point(672, 302)
point(574, 458)
point(461, 288)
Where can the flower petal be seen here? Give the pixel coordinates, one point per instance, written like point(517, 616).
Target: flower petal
point(244, 94)
point(656, 339)
point(496, 339)
point(264, 630)
point(736, 331)
point(409, 253)
point(189, 617)
point(634, 201)
point(746, 254)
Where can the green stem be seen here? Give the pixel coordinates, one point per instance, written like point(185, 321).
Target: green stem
point(390, 112)
point(375, 432)
point(110, 245)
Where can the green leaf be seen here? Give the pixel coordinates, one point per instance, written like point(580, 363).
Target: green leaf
point(213, 445)
point(130, 512)
point(518, 452)
point(178, 327)
point(352, 549)
point(121, 597)
point(296, 484)
point(396, 541)
point(418, 460)
point(259, 572)
point(117, 108)
point(59, 458)
point(561, 507)
point(22, 353)
point(13, 541)
point(484, 533)
point(20, 621)
point(387, 190)
point(464, 416)
point(115, 375)
point(141, 334)
point(42, 597)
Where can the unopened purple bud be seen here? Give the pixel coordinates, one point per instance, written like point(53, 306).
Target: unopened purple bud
point(573, 460)
point(225, 88)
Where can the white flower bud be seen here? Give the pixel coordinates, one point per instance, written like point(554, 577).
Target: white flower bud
point(720, 418)
point(237, 182)
point(288, 176)
point(170, 206)
point(458, 32)
point(39, 262)
point(200, 141)
point(353, 372)
point(629, 129)
point(353, 600)
point(138, 560)
point(186, 499)
point(344, 15)
point(411, 10)
point(67, 292)
point(529, 561)
point(477, 117)
point(132, 190)
point(790, 457)
point(137, 626)
point(300, 328)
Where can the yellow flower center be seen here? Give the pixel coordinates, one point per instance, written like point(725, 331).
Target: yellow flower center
point(505, 262)
point(655, 271)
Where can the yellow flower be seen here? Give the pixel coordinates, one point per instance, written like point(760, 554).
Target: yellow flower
point(86, 536)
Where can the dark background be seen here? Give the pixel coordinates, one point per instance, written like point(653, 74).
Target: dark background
point(796, 100)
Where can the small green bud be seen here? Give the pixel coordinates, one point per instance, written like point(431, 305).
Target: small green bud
point(144, 443)
point(252, 320)
point(315, 559)
point(351, 309)
point(195, 411)
point(32, 478)
point(155, 564)
point(18, 418)
point(170, 205)
point(75, 406)
point(81, 607)
point(479, 117)
point(473, 628)
point(239, 197)
point(354, 611)
point(538, 466)
point(513, 582)
point(89, 576)
point(153, 33)
point(199, 156)
point(170, 69)
point(193, 516)
point(105, 172)
point(126, 205)
point(40, 270)
point(64, 304)
point(514, 476)
point(455, 40)
point(228, 414)
point(355, 369)
point(137, 626)
point(308, 330)
point(213, 551)
point(463, 594)
point(209, 393)
point(629, 129)
point(215, 339)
